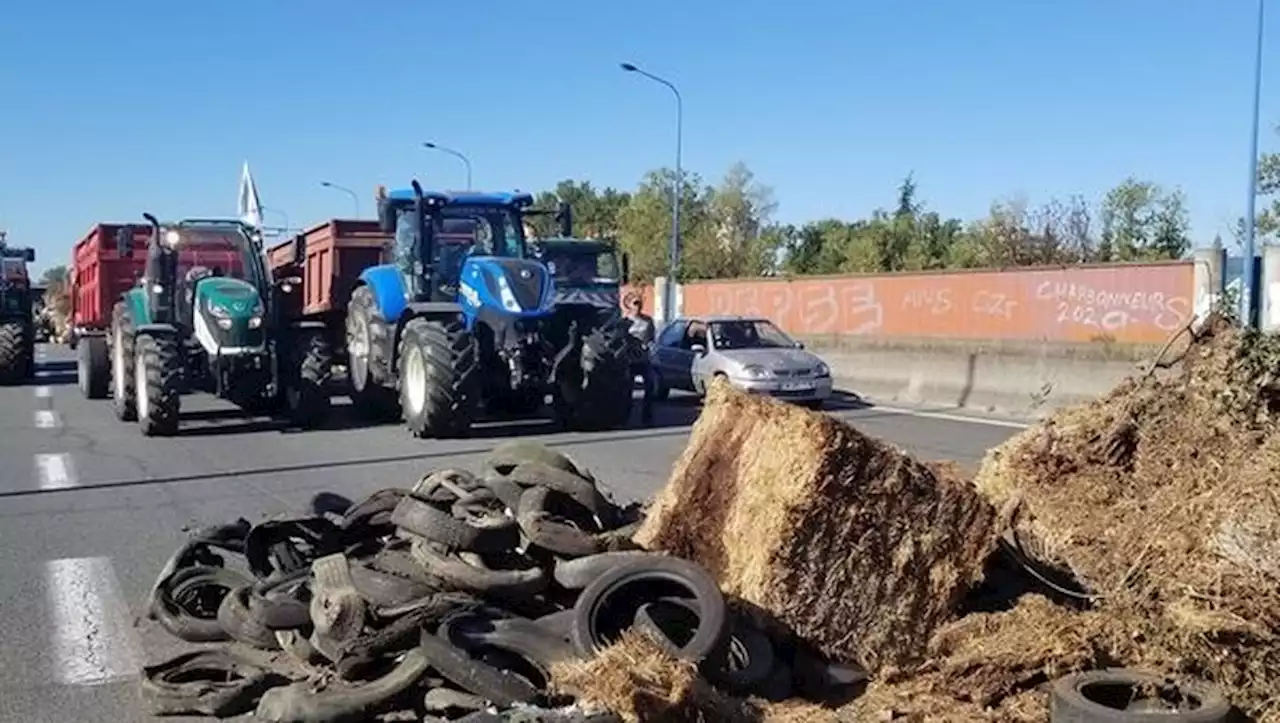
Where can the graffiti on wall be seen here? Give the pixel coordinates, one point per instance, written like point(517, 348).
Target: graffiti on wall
point(1122, 303)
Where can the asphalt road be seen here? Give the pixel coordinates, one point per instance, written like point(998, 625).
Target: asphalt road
point(91, 510)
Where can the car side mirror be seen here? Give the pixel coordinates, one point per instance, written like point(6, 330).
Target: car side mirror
point(698, 349)
point(799, 345)
point(124, 241)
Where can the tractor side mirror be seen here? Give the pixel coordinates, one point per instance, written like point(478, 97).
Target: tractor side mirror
point(386, 217)
point(30, 255)
point(124, 241)
point(299, 250)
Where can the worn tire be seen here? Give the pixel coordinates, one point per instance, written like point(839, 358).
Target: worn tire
point(439, 378)
point(602, 400)
point(306, 393)
point(93, 367)
point(123, 395)
point(1085, 697)
point(158, 381)
point(16, 362)
point(610, 603)
point(370, 397)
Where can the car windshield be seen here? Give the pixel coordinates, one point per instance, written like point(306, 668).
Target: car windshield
point(749, 334)
point(575, 266)
point(485, 230)
point(217, 252)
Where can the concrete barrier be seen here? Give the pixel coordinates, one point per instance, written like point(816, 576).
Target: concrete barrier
point(1024, 382)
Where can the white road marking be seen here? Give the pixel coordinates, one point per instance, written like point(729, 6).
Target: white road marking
point(93, 642)
point(44, 392)
point(46, 419)
point(55, 471)
point(948, 417)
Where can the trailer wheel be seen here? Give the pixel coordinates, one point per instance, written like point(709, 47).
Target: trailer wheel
point(439, 378)
point(123, 394)
point(306, 392)
point(157, 380)
point(16, 364)
point(93, 367)
point(368, 341)
point(600, 397)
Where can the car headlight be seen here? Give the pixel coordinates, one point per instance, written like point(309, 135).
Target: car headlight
point(755, 371)
point(823, 370)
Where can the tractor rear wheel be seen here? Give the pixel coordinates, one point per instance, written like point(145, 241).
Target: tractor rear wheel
point(123, 394)
point(439, 378)
point(306, 386)
point(157, 382)
point(367, 343)
point(600, 397)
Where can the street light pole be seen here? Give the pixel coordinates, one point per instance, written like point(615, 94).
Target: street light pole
point(1250, 218)
point(355, 200)
point(673, 261)
point(282, 213)
point(466, 161)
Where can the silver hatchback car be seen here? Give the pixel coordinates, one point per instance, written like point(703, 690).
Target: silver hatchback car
point(752, 353)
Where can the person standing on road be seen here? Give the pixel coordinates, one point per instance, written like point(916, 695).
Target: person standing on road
point(642, 329)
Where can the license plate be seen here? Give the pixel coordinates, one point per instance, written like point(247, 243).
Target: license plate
point(797, 386)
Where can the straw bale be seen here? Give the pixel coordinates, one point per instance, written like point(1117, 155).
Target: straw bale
point(1161, 499)
point(841, 539)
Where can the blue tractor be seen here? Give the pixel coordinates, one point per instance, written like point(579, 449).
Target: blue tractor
point(463, 323)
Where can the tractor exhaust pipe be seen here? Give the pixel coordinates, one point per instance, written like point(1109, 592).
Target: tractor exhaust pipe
point(564, 214)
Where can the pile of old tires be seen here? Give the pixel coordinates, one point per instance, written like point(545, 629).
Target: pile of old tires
point(450, 600)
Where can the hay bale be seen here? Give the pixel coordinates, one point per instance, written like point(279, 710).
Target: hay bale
point(843, 539)
point(1161, 499)
point(639, 681)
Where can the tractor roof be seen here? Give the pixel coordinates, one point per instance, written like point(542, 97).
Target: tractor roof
point(464, 198)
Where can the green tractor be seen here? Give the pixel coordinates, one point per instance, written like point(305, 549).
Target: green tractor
point(205, 317)
point(17, 322)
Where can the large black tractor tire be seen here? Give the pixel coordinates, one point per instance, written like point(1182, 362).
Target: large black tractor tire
point(123, 395)
point(368, 336)
point(306, 380)
point(158, 383)
point(600, 397)
point(17, 362)
point(439, 378)
point(93, 367)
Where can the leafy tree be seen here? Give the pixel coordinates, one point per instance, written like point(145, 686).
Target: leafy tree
point(1142, 221)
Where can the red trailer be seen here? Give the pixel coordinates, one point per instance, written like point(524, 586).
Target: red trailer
point(100, 275)
point(327, 259)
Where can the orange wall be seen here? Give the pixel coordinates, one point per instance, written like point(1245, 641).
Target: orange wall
point(1128, 303)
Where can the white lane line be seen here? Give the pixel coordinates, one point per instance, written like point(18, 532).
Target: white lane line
point(46, 419)
point(948, 417)
point(44, 392)
point(93, 642)
point(55, 471)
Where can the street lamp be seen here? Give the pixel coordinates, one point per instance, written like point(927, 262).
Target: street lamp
point(450, 151)
point(355, 200)
point(673, 262)
point(1250, 220)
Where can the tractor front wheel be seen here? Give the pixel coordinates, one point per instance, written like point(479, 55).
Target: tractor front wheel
point(157, 383)
point(599, 398)
point(439, 378)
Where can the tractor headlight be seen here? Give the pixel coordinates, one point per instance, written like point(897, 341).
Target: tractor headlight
point(259, 311)
point(508, 299)
point(172, 238)
point(217, 311)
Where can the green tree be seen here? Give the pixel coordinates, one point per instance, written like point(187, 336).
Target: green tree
point(1141, 221)
point(54, 275)
point(1268, 223)
point(644, 226)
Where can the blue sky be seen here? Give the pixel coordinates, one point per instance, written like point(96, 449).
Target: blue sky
point(109, 109)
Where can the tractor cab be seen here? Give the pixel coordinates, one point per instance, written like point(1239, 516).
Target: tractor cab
point(586, 271)
point(436, 232)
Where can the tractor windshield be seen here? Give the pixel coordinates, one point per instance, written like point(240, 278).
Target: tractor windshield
point(481, 230)
point(578, 266)
point(217, 252)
